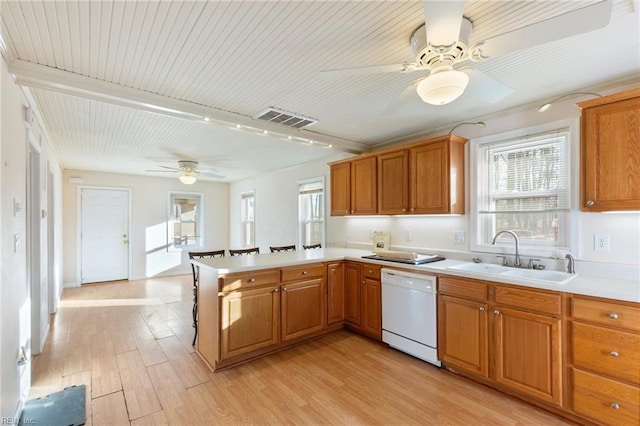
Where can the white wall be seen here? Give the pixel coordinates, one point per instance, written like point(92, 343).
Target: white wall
point(276, 208)
point(15, 291)
point(149, 198)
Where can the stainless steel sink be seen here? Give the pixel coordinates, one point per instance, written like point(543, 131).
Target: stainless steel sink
point(554, 277)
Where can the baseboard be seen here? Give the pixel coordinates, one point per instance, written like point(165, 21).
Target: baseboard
point(70, 285)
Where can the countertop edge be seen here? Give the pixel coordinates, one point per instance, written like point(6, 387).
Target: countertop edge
point(616, 289)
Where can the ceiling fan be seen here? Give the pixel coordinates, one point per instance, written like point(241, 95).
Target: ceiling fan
point(189, 170)
point(441, 45)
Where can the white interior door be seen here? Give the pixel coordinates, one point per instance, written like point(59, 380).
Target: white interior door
point(104, 237)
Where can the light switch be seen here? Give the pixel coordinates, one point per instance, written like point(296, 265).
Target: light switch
point(17, 242)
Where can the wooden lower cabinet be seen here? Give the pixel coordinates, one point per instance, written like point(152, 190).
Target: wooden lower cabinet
point(371, 308)
point(335, 293)
point(353, 292)
point(303, 308)
point(528, 353)
point(249, 321)
point(604, 359)
point(509, 346)
point(462, 338)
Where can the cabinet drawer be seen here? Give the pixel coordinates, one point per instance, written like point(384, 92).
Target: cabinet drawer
point(468, 289)
point(607, 313)
point(296, 273)
point(371, 271)
point(249, 279)
point(538, 301)
point(606, 351)
point(605, 400)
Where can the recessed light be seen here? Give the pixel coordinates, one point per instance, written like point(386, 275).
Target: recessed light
point(330, 146)
point(207, 119)
point(266, 132)
point(238, 126)
point(289, 137)
point(310, 142)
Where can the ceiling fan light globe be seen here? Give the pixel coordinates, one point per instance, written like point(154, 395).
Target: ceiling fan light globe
point(187, 179)
point(442, 87)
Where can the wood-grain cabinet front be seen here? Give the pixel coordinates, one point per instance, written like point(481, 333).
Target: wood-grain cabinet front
point(510, 336)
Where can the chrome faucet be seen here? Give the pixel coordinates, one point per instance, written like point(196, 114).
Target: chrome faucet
point(571, 267)
point(516, 261)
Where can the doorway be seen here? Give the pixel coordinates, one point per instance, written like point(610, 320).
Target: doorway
point(104, 234)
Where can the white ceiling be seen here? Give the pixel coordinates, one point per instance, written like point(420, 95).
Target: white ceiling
point(124, 86)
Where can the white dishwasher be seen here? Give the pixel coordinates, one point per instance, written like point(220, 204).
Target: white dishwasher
point(409, 316)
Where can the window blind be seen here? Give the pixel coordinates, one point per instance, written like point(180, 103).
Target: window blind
point(525, 175)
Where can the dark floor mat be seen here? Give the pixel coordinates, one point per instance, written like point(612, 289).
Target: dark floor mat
point(64, 408)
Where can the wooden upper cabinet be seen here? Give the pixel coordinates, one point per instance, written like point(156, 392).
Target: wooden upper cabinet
point(340, 189)
point(364, 192)
point(610, 152)
point(393, 182)
point(421, 178)
point(354, 187)
point(436, 180)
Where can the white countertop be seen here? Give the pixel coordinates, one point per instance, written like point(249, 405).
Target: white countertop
point(617, 289)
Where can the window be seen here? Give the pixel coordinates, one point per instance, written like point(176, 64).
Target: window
point(185, 221)
point(247, 213)
point(311, 212)
point(523, 184)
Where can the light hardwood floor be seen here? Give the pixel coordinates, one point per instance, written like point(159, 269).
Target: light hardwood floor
point(130, 344)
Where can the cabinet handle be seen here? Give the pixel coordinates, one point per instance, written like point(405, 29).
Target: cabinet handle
point(590, 203)
point(614, 354)
point(275, 290)
point(615, 406)
point(284, 289)
point(370, 272)
point(251, 280)
point(363, 282)
point(404, 210)
point(496, 312)
point(613, 315)
point(304, 272)
point(481, 308)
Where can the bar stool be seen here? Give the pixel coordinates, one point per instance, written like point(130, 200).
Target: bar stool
point(242, 252)
point(282, 248)
point(196, 278)
point(312, 246)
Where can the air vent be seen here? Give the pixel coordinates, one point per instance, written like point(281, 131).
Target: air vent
point(288, 119)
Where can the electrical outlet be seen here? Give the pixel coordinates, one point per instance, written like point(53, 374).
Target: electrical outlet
point(408, 235)
point(458, 237)
point(601, 242)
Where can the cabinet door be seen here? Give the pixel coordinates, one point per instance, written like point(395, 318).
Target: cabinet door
point(462, 334)
point(335, 293)
point(249, 320)
point(429, 184)
point(371, 308)
point(528, 353)
point(303, 308)
point(352, 292)
point(340, 189)
point(610, 156)
point(364, 193)
point(393, 183)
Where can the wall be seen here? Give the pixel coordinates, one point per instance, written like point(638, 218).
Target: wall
point(149, 199)
point(15, 291)
point(276, 209)
point(276, 206)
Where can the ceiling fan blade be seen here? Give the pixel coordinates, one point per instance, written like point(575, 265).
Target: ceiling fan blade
point(210, 170)
point(442, 21)
point(159, 171)
point(211, 175)
point(579, 21)
point(372, 69)
point(485, 87)
point(175, 169)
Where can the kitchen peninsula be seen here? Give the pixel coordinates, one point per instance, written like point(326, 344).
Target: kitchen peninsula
point(250, 306)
